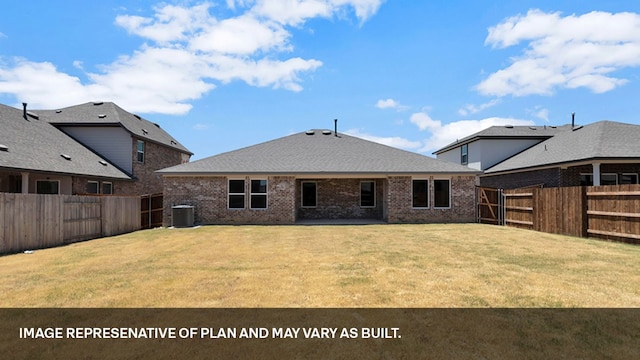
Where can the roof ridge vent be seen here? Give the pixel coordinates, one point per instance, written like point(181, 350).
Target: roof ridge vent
point(4, 148)
point(137, 116)
point(310, 132)
point(103, 163)
point(509, 126)
point(96, 103)
point(66, 157)
point(326, 132)
point(577, 128)
point(33, 115)
point(102, 116)
point(58, 111)
point(533, 128)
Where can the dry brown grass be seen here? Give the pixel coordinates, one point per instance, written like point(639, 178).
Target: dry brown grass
point(467, 265)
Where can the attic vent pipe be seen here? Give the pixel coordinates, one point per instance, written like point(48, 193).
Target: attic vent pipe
point(573, 120)
point(335, 127)
point(24, 111)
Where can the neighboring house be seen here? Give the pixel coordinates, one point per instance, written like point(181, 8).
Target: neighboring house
point(489, 147)
point(135, 145)
point(319, 174)
point(37, 158)
point(602, 153)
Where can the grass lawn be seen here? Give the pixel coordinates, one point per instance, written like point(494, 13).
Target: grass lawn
point(468, 265)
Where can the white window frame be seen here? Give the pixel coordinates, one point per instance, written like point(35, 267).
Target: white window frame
point(49, 181)
point(265, 194)
point(434, 193)
point(428, 197)
point(630, 174)
point(102, 187)
point(243, 193)
point(140, 152)
point(302, 194)
point(464, 155)
point(97, 187)
point(374, 194)
point(609, 174)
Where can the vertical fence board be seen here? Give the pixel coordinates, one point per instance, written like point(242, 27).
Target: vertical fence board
point(608, 212)
point(33, 221)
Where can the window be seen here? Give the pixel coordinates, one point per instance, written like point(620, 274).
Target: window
point(420, 193)
point(258, 194)
point(107, 188)
point(609, 179)
point(309, 194)
point(92, 187)
point(464, 154)
point(47, 187)
point(140, 151)
point(586, 179)
point(236, 194)
point(629, 179)
point(367, 194)
point(442, 193)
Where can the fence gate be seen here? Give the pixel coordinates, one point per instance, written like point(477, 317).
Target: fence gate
point(151, 211)
point(490, 205)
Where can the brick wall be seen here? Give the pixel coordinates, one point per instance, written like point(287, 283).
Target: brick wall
point(545, 177)
point(208, 194)
point(340, 199)
point(156, 157)
point(400, 200)
point(554, 177)
point(79, 185)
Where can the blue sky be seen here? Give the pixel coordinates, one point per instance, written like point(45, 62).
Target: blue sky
point(221, 75)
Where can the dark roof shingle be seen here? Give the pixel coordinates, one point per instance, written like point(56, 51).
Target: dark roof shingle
point(108, 113)
point(35, 145)
point(318, 154)
point(600, 140)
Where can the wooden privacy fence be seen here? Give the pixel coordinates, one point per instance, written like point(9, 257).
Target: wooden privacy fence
point(31, 221)
point(151, 211)
point(610, 212)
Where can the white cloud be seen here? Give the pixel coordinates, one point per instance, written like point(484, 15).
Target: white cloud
point(441, 134)
point(540, 113)
point(187, 52)
point(564, 52)
point(390, 104)
point(473, 109)
point(393, 141)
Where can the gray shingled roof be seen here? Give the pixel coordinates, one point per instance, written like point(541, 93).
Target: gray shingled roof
point(317, 154)
point(108, 113)
point(600, 140)
point(508, 132)
point(35, 145)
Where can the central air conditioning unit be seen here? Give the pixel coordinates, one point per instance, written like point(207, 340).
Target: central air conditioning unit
point(182, 216)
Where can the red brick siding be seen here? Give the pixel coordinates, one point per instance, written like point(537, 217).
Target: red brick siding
point(156, 157)
point(340, 199)
point(400, 200)
point(208, 194)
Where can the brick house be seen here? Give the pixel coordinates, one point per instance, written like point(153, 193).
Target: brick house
point(319, 174)
point(105, 150)
point(35, 157)
point(133, 144)
point(601, 153)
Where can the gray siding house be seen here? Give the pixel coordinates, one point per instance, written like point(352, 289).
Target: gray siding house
point(319, 174)
point(489, 147)
point(601, 153)
point(35, 157)
point(106, 150)
point(134, 144)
